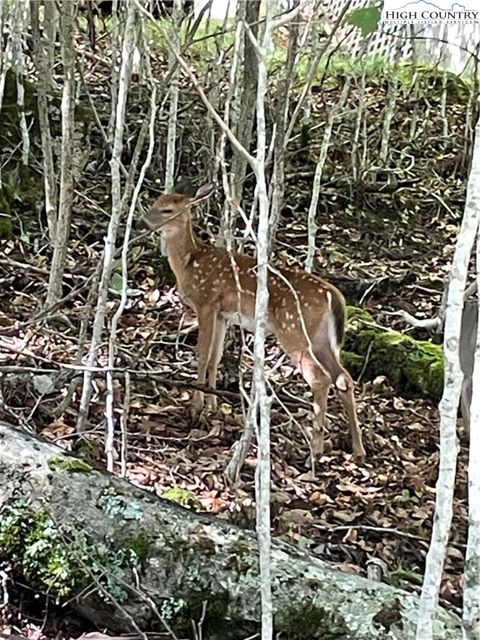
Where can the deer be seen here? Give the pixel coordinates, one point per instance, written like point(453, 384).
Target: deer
point(305, 312)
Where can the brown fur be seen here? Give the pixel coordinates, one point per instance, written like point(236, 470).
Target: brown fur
point(306, 313)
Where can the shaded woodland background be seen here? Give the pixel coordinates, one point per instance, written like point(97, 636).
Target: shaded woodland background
point(389, 143)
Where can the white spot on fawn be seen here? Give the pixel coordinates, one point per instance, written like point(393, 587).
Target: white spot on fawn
point(341, 383)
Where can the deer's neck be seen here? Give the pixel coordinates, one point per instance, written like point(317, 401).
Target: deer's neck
point(181, 242)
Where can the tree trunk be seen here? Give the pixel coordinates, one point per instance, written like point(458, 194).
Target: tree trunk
point(65, 201)
point(448, 443)
point(128, 560)
point(246, 107)
point(44, 44)
point(117, 211)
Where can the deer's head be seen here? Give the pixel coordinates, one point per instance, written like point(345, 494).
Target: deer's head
point(171, 211)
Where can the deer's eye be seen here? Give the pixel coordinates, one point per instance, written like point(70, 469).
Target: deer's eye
point(166, 210)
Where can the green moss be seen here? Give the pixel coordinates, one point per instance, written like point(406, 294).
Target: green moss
point(243, 557)
point(140, 545)
point(413, 366)
point(84, 449)
point(403, 574)
point(310, 622)
point(69, 464)
point(353, 362)
point(184, 497)
point(34, 546)
point(242, 547)
point(61, 559)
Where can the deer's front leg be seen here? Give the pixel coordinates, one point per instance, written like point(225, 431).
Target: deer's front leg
point(207, 318)
point(215, 357)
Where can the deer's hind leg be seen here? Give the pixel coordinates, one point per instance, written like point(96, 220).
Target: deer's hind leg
point(319, 382)
point(344, 387)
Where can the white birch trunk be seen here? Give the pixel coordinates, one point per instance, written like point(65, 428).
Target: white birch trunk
point(44, 43)
point(261, 400)
point(173, 98)
point(18, 29)
point(391, 99)
point(471, 596)
point(114, 41)
point(449, 404)
point(109, 440)
point(317, 178)
point(227, 220)
point(173, 107)
point(6, 48)
point(110, 240)
point(62, 226)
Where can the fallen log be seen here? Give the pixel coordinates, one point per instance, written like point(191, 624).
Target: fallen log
point(128, 560)
point(414, 367)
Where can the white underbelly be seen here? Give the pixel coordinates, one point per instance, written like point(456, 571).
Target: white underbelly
point(246, 322)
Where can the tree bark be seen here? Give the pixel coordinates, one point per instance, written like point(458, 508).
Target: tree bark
point(129, 560)
point(245, 104)
point(44, 44)
point(117, 211)
point(65, 201)
point(448, 412)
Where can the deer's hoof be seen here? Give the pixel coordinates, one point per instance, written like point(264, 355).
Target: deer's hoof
point(197, 403)
point(359, 456)
point(211, 403)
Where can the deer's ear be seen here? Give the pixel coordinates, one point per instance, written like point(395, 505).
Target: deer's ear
point(185, 187)
point(203, 192)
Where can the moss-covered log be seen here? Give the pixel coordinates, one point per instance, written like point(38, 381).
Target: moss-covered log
point(127, 559)
point(414, 367)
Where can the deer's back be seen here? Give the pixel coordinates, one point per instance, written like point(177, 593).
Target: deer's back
point(227, 281)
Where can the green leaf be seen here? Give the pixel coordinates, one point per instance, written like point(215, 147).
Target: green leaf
point(116, 283)
point(116, 287)
point(366, 18)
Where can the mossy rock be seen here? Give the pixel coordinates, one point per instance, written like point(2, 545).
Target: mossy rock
point(414, 367)
point(183, 497)
point(312, 622)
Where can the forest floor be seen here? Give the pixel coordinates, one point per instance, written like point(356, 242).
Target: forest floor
point(351, 515)
point(354, 516)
